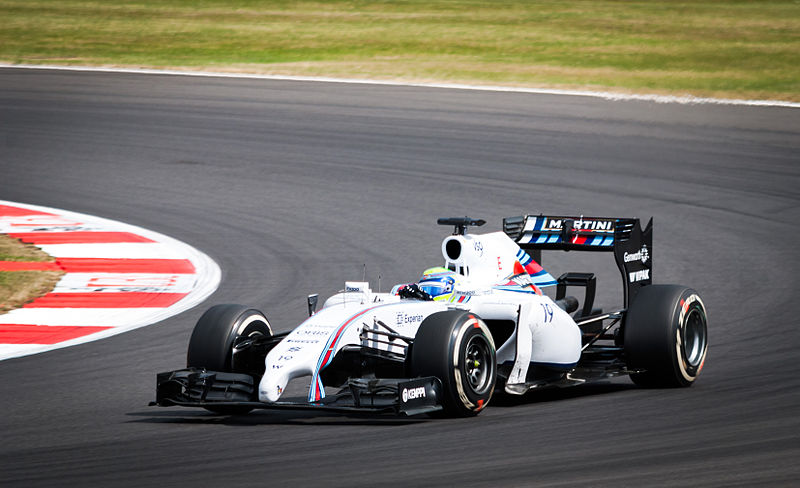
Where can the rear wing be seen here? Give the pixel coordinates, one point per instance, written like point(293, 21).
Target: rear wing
point(632, 246)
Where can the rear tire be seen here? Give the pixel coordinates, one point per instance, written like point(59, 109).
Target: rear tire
point(211, 344)
point(457, 348)
point(666, 335)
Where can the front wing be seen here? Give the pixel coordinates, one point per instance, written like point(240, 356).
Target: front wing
point(193, 387)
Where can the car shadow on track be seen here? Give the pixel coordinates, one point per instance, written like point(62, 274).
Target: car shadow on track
point(501, 400)
point(268, 417)
point(504, 400)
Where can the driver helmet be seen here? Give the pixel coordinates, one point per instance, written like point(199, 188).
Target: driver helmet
point(439, 283)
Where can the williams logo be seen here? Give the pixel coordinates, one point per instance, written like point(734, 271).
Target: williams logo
point(523, 280)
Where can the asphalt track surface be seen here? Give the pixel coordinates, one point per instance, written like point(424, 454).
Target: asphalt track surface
point(292, 187)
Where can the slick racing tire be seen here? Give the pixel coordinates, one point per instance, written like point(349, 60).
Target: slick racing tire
point(666, 336)
point(213, 339)
point(456, 347)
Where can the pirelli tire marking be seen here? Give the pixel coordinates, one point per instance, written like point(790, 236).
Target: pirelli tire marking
point(689, 371)
point(472, 323)
point(249, 320)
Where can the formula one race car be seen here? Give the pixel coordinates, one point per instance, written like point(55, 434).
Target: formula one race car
point(476, 324)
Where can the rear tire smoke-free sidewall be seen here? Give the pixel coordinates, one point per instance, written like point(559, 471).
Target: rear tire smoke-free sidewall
point(666, 335)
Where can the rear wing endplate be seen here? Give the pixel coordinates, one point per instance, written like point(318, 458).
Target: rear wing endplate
point(632, 246)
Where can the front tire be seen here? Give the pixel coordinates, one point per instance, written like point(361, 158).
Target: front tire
point(213, 338)
point(457, 347)
point(666, 335)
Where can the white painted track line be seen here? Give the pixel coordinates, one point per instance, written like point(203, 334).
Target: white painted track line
point(682, 99)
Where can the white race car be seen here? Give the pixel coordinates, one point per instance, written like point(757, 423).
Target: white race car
point(447, 342)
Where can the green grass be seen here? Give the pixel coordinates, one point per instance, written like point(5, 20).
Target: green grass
point(741, 49)
point(14, 250)
point(20, 287)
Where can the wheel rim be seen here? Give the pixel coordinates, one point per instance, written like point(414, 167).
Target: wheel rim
point(479, 365)
point(245, 361)
point(694, 338)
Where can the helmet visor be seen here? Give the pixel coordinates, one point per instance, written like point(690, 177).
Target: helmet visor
point(437, 287)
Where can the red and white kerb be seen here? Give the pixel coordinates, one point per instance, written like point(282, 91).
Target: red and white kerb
point(118, 277)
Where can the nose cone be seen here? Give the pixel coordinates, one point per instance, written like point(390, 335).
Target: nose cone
point(271, 388)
